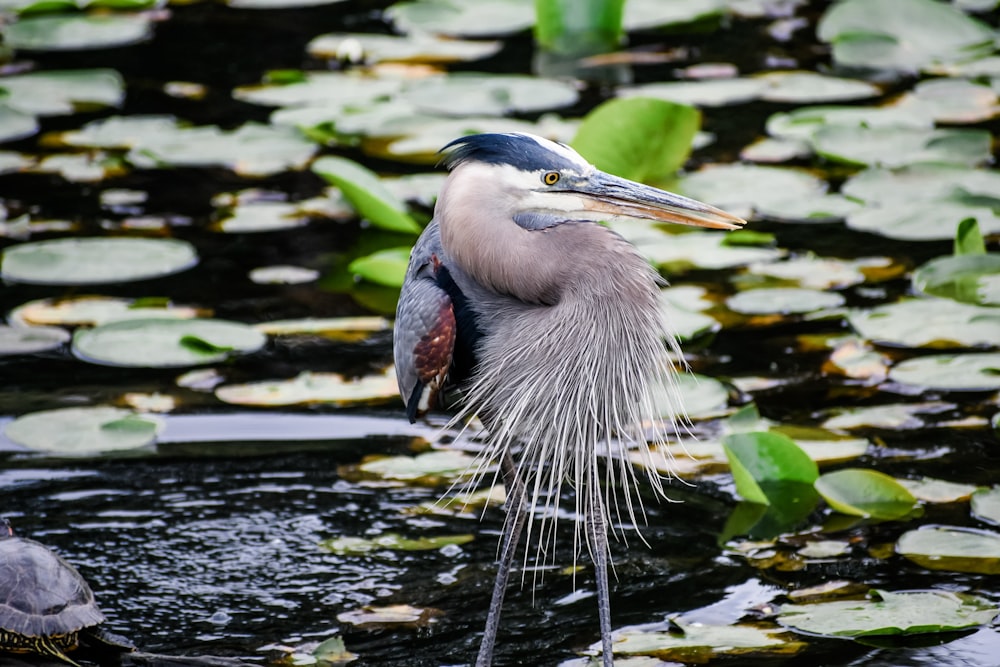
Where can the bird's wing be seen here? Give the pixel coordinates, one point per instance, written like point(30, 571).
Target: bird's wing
point(424, 333)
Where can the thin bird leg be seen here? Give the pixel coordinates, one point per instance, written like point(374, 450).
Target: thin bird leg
point(512, 536)
point(597, 539)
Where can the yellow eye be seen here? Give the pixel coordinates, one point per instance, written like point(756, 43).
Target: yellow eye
point(550, 177)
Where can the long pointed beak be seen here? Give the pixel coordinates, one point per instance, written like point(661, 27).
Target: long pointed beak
point(614, 196)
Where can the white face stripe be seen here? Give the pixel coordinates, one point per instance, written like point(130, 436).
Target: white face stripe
point(561, 150)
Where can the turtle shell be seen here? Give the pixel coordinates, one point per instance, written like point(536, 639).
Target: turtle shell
point(41, 595)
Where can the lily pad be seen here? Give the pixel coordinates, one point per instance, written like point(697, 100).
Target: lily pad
point(950, 372)
point(310, 387)
point(95, 261)
point(866, 493)
point(16, 125)
point(462, 19)
point(332, 91)
point(986, 505)
point(93, 310)
point(639, 138)
point(698, 643)
point(800, 87)
point(417, 47)
point(930, 490)
point(249, 150)
point(890, 613)
point(359, 546)
point(953, 549)
point(802, 123)
point(951, 101)
point(87, 430)
point(702, 397)
point(53, 92)
point(366, 193)
point(28, 340)
point(165, 343)
point(332, 326)
point(283, 274)
point(676, 253)
point(475, 94)
point(906, 35)
point(783, 300)
point(429, 468)
point(894, 417)
point(820, 272)
point(385, 267)
point(936, 323)
point(900, 146)
point(965, 278)
point(393, 616)
point(762, 461)
point(707, 93)
point(74, 32)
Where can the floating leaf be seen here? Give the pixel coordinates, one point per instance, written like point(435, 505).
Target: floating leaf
point(359, 546)
point(476, 94)
point(283, 274)
point(418, 47)
point(165, 343)
point(939, 323)
point(866, 493)
point(930, 490)
point(393, 616)
point(889, 613)
point(575, 29)
point(762, 461)
point(310, 387)
point(698, 643)
point(385, 267)
point(48, 93)
point(986, 505)
point(16, 125)
point(94, 261)
point(330, 91)
point(463, 19)
point(639, 138)
point(428, 468)
point(905, 35)
point(92, 310)
point(73, 32)
point(897, 417)
point(334, 326)
point(702, 397)
point(707, 93)
point(366, 193)
point(783, 300)
point(86, 430)
point(950, 372)
point(900, 146)
point(952, 548)
point(965, 278)
point(28, 340)
point(646, 14)
point(800, 87)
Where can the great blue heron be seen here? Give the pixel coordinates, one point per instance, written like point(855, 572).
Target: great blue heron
point(547, 326)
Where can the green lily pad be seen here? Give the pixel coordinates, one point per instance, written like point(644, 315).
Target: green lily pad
point(778, 192)
point(89, 310)
point(95, 261)
point(87, 430)
point(965, 278)
point(54, 92)
point(278, 4)
point(890, 613)
point(866, 493)
point(937, 323)
point(16, 125)
point(906, 35)
point(639, 138)
point(986, 505)
point(359, 546)
point(117, 131)
point(74, 32)
point(951, 101)
point(899, 146)
point(475, 94)
point(332, 91)
point(761, 461)
point(706, 93)
point(951, 548)
point(165, 343)
point(800, 87)
point(773, 150)
point(820, 272)
point(894, 417)
point(385, 267)
point(417, 47)
point(426, 468)
point(698, 643)
point(676, 253)
point(802, 123)
point(28, 340)
point(702, 397)
point(925, 183)
point(366, 193)
point(783, 300)
point(261, 216)
point(647, 14)
point(330, 326)
point(950, 372)
point(310, 387)
point(249, 150)
point(930, 490)
point(462, 19)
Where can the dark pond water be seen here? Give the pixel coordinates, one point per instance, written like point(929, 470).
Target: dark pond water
point(209, 544)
